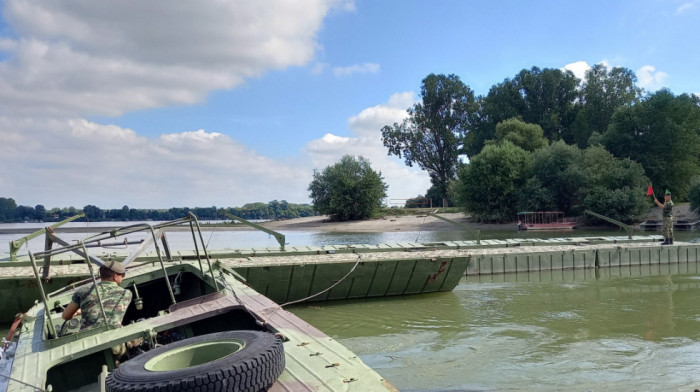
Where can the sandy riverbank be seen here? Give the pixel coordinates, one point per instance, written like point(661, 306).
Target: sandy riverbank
point(418, 223)
point(323, 224)
point(379, 225)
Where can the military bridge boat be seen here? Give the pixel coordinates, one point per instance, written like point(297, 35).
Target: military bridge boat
point(193, 325)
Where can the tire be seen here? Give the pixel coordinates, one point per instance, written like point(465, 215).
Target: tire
point(239, 361)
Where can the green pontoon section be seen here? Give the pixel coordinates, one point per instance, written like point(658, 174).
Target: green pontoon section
point(313, 360)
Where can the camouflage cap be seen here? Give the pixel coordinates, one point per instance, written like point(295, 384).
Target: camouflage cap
point(115, 266)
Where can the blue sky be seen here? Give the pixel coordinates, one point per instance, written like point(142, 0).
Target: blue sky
point(235, 102)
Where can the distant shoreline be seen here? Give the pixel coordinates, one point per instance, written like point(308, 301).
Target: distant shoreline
point(323, 224)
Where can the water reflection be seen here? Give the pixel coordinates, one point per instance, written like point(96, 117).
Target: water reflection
point(611, 329)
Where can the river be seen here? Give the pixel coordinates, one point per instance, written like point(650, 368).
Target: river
point(613, 329)
point(246, 239)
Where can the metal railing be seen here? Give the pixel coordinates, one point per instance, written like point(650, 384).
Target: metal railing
point(629, 229)
point(156, 232)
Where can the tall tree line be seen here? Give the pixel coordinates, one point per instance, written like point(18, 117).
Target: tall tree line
point(11, 212)
point(538, 107)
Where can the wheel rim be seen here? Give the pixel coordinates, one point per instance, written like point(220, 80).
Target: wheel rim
point(193, 355)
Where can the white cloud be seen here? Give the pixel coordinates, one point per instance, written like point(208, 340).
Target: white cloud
point(404, 182)
point(95, 58)
point(365, 68)
point(685, 7)
point(76, 161)
point(63, 61)
point(579, 69)
point(651, 79)
point(318, 68)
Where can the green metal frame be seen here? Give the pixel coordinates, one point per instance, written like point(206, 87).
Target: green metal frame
point(629, 229)
point(17, 244)
point(477, 233)
point(81, 249)
point(278, 236)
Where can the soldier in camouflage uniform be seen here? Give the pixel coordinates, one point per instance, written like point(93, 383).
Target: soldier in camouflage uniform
point(114, 299)
point(667, 214)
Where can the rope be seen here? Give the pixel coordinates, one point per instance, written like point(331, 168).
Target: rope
point(266, 317)
point(23, 383)
point(421, 228)
point(330, 287)
point(210, 235)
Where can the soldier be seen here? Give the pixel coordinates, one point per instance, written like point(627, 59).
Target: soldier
point(667, 213)
point(114, 299)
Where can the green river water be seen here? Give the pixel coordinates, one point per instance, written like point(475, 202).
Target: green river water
point(630, 329)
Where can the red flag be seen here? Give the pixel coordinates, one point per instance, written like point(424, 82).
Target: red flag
point(650, 191)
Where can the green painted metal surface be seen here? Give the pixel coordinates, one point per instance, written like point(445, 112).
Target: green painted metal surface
point(286, 283)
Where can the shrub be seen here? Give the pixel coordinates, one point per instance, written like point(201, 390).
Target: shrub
point(347, 190)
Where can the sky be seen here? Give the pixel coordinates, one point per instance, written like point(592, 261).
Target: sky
point(171, 103)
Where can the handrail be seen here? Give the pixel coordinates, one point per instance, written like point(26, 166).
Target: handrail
point(629, 229)
point(17, 244)
point(47, 310)
point(81, 249)
point(278, 236)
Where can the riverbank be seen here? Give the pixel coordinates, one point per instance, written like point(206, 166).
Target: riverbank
point(385, 224)
point(421, 223)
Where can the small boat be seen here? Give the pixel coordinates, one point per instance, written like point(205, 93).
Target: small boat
point(650, 225)
point(545, 220)
point(192, 325)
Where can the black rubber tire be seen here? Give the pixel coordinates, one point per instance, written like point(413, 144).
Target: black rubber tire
point(252, 368)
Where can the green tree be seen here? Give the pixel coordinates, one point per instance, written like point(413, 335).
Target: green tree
point(433, 134)
point(7, 209)
point(24, 213)
point(124, 213)
point(611, 186)
point(556, 168)
point(529, 137)
point(40, 212)
point(488, 187)
point(92, 213)
point(417, 202)
point(347, 190)
point(535, 196)
point(694, 195)
point(601, 94)
point(546, 97)
point(663, 134)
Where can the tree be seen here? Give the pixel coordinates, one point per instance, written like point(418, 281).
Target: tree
point(694, 195)
point(556, 168)
point(612, 187)
point(92, 213)
point(663, 134)
point(545, 97)
point(39, 212)
point(435, 196)
point(24, 213)
point(529, 137)
point(347, 190)
point(432, 136)
point(124, 213)
point(565, 178)
point(489, 186)
point(601, 94)
point(7, 209)
point(417, 202)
